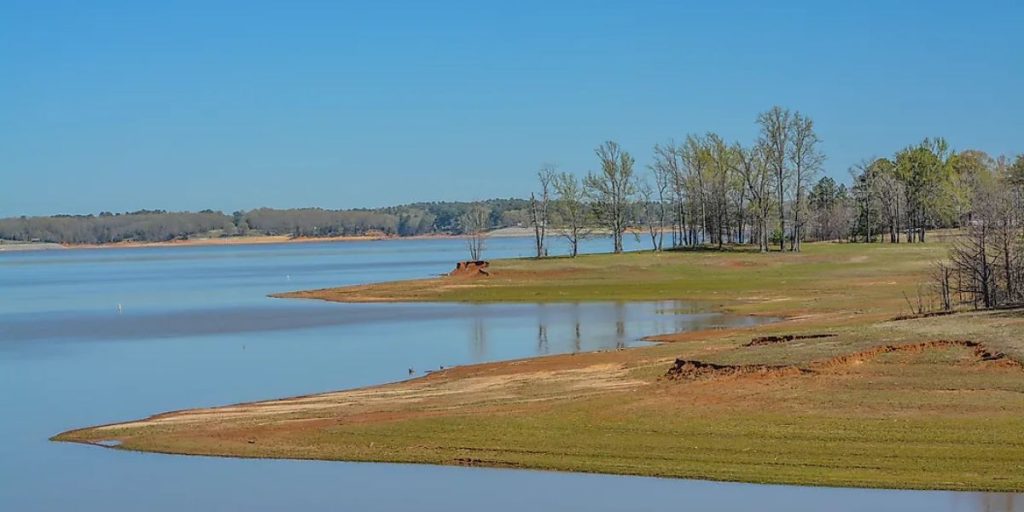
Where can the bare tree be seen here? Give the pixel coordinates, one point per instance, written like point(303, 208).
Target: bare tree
point(571, 210)
point(1009, 247)
point(972, 257)
point(667, 169)
point(806, 159)
point(976, 253)
point(758, 179)
point(989, 257)
point(653, 201)
point(695, 162)
point(942, 276)
point(889, 192)
point(612, 190)
point(647, 210)
point(775, 132)
point(662, 183)
point(539, 209)
point(474, 226)
point(738, 192)
point(718, 185)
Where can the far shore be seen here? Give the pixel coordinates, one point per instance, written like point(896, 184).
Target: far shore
point(232, 240)
point(250, 240)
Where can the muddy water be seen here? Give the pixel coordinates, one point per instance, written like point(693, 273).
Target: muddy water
point(97, 336)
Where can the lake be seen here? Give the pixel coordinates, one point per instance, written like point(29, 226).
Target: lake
point(106, 335)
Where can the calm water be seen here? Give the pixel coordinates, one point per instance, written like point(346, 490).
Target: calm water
point(197, 329)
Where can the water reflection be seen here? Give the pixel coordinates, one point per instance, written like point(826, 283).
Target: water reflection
point(994, 502)
point(620, 325)
point(479, 338)
point(542, 339)
point(492, 330)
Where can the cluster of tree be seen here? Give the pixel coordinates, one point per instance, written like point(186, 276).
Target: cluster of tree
point(313, 222)
point(702, 190)
point(986, 264)
point(929, 186)
point(447, 216)
point(921, 187)
point(147, 225)
point(160, 225)
point(707, 191)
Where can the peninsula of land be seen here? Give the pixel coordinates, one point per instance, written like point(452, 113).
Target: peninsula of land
point(849, 389)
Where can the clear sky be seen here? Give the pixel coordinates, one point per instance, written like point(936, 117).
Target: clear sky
point(234, 105)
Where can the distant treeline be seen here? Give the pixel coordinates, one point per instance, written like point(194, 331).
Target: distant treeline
point(161, 225)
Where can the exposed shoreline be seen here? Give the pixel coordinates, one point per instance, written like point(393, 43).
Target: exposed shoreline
point(838, 394)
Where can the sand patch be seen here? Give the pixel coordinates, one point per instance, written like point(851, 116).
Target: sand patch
point(423, 393)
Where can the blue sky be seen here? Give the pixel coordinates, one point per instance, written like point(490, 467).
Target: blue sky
point(235, 105)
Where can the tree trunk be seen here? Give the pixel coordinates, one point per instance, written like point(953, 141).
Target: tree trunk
point(867, 224)
point(782, 215)
point(896, 220)
point(1008, 268)
point(538, 237)
point(763, 239)
point(794, 245)
point(739, 234)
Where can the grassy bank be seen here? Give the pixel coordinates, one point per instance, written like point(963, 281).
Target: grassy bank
point(825, 277)
point(921, 403)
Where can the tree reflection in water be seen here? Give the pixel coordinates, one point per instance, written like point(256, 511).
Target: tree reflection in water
point(496, 331)
point(994, 502)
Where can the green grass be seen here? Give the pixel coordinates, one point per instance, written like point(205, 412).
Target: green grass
point(753, 446)
point(938, 418)
point(819, 278)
